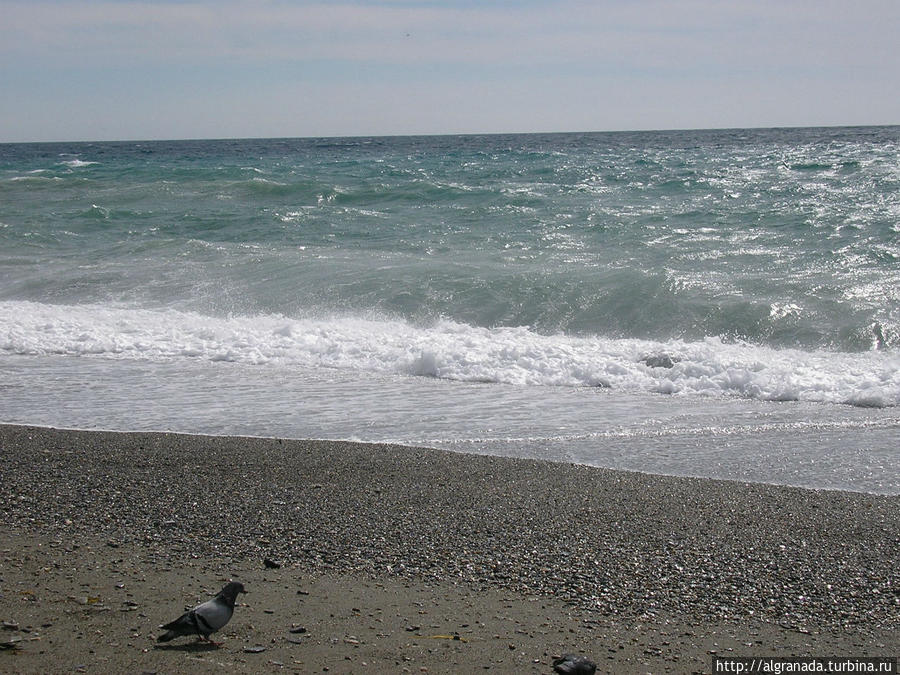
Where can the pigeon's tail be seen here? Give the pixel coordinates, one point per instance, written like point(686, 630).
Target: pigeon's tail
point(168, 635)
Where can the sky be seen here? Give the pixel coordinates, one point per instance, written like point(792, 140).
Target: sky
point(173, 69)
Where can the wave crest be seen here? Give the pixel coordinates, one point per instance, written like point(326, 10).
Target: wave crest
point(455, 351)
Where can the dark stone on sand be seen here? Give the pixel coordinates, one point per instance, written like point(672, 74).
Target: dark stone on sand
point(573, 664)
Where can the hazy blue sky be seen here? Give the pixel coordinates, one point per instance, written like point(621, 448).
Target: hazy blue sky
point(142, 69)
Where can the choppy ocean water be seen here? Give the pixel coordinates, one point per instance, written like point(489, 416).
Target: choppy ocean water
point(715, 303)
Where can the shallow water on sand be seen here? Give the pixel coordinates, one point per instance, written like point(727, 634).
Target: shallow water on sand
point(791, 443)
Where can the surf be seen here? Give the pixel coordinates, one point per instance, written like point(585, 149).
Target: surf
point(455, 351)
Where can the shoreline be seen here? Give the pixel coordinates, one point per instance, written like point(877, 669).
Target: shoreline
point(392, 546)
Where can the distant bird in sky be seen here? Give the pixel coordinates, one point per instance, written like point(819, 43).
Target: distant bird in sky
point(206, 618)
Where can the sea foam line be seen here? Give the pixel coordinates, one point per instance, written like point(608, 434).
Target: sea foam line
point(455, 351)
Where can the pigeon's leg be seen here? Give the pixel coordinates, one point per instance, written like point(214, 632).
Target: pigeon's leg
point(205, 638)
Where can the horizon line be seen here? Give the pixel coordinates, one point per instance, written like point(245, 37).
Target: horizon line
point(449, 134)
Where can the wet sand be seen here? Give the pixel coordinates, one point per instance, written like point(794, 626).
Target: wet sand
point(398, 559)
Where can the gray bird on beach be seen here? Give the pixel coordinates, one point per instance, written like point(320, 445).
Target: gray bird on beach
point(572, 664)
point(206, 618)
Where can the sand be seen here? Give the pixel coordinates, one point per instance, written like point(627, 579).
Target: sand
point(393, 559)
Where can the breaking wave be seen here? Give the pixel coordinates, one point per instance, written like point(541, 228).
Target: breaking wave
point(455, 351)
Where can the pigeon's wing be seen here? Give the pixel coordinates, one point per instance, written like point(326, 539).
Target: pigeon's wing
point(186, 624)
point(212, 615)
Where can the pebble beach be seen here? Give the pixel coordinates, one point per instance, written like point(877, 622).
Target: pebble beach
point(386, 558)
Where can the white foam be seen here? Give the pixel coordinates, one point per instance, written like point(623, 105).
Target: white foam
point(455, 351)
point(32, 177)
point(77, 163)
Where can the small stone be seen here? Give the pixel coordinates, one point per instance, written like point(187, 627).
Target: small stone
point(10, 643)
point(661, 361)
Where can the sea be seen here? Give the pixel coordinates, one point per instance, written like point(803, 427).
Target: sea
point(721, 303)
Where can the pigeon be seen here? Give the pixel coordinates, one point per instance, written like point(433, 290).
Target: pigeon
point(572, 664)
point(206, 618)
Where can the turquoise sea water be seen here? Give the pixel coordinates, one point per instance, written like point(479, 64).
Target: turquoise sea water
point(722, 303)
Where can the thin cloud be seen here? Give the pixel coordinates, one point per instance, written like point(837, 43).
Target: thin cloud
point(652, 34)
point(447, 65)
